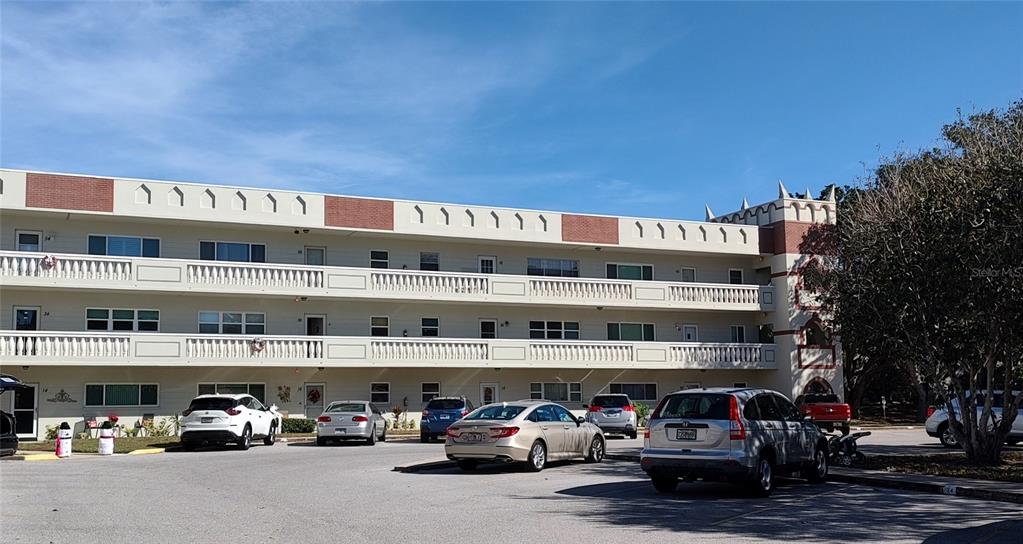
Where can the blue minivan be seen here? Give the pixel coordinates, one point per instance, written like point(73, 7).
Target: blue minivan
point(439, 413)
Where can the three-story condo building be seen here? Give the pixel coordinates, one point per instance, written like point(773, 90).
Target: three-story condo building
point(130, 297)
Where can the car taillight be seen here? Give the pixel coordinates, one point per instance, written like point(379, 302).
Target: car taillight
point(646, 434)
point(186, 412)
point(233, 411)
point(736, 431)
point(628, 408)
point(465, 412)
point(931, 410)
point(503, 432)
point(426, 413)
point(360, 419)
point(323, 419)
point(594, 408)
point(452, 432)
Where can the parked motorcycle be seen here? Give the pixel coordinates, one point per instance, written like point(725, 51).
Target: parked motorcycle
point(842, 450)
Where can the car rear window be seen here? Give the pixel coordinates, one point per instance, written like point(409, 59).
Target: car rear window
point(213, 403)
point(695, 406)
point(610, 401)
point(816, 399)
point(445, 404)
point(347, 407)
point(499, 412)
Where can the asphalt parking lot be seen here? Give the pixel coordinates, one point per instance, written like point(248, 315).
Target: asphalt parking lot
point(349, 493)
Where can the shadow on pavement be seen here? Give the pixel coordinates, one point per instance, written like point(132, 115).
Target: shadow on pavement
point(1000, 531)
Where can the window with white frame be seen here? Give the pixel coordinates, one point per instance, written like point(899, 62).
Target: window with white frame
point(257, 390)
point(380, 392)
point(429, 261)
point(637, 332)
point(122, 394)
point(620, 271)
point(378, 259)
point(554, 330)
point(211, 322)
point(116, 319)
point(635, 391)
point(379, 326)
point(123, 246)
point(735, 276)
point(738, 333)
point(565, 268)
point(556, 391)
point(29, 240)
point(430, 390)
point(232, 251)
point(688, 274)
point(430, 326)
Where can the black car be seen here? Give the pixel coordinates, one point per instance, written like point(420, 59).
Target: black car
point(8, 432)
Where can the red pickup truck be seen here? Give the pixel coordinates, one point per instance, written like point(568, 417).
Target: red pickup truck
point(826, 411)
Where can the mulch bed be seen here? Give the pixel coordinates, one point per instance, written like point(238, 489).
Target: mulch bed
point(91, 445)
point(951, 465)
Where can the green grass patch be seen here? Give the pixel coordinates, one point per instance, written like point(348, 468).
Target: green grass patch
point(951, 465)
point(91, 445)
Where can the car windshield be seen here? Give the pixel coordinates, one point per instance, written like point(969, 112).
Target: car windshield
point(445, 404)
point(610, 401)
point(696, 406)
point(347, 407)
point(497, 411)
point(212, 403)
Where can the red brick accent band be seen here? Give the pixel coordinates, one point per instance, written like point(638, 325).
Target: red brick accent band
point(359, 213)
point(589, 229)
point(69, 192)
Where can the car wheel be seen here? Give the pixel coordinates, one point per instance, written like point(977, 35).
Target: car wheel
point(537, 457)
point(424, 438)
point(596, 450)
point(946, 437)
point(246, 440)
point(383, 435)
point(372, 440)
point(467, 464)
point(321, 441)
point(845, 429)
point(633, 435)
point(188, 446)
point(817, 471)
point(763, 482)
point(664, 484)
point(271, 436)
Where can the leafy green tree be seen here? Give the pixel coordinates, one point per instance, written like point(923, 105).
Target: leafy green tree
point(926, 272)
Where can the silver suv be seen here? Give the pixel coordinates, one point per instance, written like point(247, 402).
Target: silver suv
point(613, 413)
point(739, 435)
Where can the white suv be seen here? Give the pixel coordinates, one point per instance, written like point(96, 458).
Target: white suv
point(228, 419)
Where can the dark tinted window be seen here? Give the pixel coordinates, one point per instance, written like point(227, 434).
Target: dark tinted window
point(546, 413)
point(445, 404)
point(818, 398)
point(696, 406)
point(767, 408)
point(788, 411)
point(610, 401)
point(347, 407)
point(750, 411)
point(212, 403)
point(498, 411)
point(563, 415)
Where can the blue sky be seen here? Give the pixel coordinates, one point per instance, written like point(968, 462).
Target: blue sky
point(646, 109)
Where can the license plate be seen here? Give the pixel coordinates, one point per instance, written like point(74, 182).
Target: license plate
point(472, 437)
point(614, 413)
point(207, 420)
point(445, 416)
point(340, 431)
point(685, 434)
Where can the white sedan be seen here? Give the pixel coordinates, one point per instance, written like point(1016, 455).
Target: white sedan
point(228, 419)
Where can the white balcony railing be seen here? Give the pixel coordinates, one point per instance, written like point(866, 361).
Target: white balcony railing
point(168, 349)
point(185, 276)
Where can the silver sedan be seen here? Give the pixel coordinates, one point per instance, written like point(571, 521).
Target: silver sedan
point(529, 431)
point(351, 420)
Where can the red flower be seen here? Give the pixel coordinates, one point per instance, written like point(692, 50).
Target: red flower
point(113, 418)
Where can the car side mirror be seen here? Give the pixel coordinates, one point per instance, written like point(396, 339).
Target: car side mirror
point(272, 407)
point(580, 420)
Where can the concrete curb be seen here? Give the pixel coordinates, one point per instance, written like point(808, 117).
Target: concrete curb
point(938, 486)
point(147, 451)
point(422, 467)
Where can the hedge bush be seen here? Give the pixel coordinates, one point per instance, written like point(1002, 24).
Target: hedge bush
point(298, 425)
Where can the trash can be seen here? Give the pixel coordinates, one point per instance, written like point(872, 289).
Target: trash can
point(64, 440)
point(106, 441)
